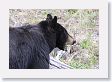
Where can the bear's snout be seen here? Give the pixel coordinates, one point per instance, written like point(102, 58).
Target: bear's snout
point(70, 40)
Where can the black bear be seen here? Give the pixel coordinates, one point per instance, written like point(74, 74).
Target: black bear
point(30, 45)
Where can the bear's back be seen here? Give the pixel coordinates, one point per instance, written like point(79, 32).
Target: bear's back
point(27, 46)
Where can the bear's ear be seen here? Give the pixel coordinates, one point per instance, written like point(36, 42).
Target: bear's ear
point(54, 21)
point(49, 18)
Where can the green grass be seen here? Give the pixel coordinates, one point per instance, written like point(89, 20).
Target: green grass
point(85, 44)
point(79, 65)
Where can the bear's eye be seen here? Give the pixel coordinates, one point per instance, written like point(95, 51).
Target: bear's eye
point(53, 31)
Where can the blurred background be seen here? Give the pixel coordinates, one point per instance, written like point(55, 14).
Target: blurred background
point(82, 24)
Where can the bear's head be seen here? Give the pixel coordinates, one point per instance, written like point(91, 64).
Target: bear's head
point(56, 35)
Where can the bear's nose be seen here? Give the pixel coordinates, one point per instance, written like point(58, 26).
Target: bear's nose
point(74, 41)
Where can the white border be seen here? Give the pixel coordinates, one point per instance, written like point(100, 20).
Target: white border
point(102, 72)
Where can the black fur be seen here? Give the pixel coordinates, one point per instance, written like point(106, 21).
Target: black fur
point(29, 46)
